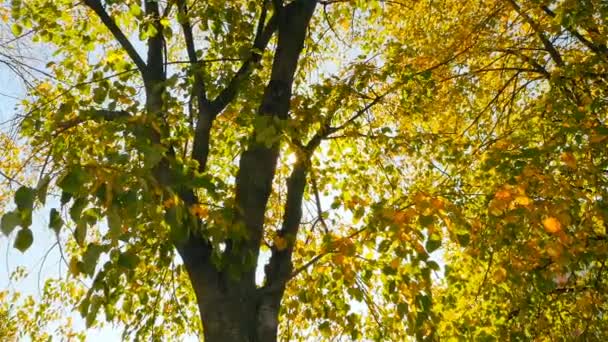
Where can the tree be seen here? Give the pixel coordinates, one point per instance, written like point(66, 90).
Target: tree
point(445, 138)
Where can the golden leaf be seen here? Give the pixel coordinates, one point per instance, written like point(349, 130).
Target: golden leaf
point(569, 159)
point(554, 251)
point(552, 225)
point(405, 216)
point(44, 87)
point(338, 259)
point(502, 194)
point(170, 202)
point(597, 138)
point(523, 200)
point(437, 203)
point(419, 198)
point(500, 275)
point(199, 211)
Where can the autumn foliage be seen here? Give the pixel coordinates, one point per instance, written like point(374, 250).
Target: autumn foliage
point(437, 172)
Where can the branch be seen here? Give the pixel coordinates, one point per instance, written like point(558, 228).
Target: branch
point(318, 257)
point(258, 162)
point(94, 114)
point(599, 49)
point(278, 5)
point(315, 188)
point(358, 114)
point(97, 7)
point(489, 104)
point(209, 110)
point(326, 130)
point(279, 268)
point(308, 264)
point(528, 60)
point(10, 179)
point(156, 45)
point(557, 58)
point(263, 35)
point(199, 83)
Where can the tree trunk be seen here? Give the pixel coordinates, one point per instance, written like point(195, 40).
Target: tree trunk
point(232, 308)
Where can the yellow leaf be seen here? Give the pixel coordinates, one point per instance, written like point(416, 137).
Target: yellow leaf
point(554, 251)
point(405, 216)
point(597, 138)
point(500, 275)
point(502, 144)
point(552, 225)
point(199, 211)
point(502, 194)
point(155, 126)
point(569, 159)
point(338, 259)
point(437, 203)
point(523, 200)
point(73, 266)
point(170, 202)
point(44, 87)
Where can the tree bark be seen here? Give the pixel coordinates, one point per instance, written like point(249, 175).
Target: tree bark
point(232, 308)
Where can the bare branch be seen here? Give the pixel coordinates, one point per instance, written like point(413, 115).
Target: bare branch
point(599, 49)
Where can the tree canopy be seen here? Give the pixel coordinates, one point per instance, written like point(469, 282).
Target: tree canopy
point(395, 170)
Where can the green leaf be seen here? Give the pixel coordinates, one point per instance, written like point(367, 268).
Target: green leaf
point(135, 10)
point(80, 233)
point(90, 258)
point(26, 217)
point(16, 29)
point(402, 309)
point(99, 95)
point(128, 260)
point(152, 155)
point(65, 197)
point(463, 239)
point(10, 220)
point(42, 189)
point(424, 302)
point(433, 244)
point(83, 307)
point(433, 265)
point(77, 208)
point(179, 233)
point(24, 239)
point(92, 311)
point(426, 221)
point(73, 181)
point(24, 198)
point(114, 222)
point(203, 181)
point(55, 220)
